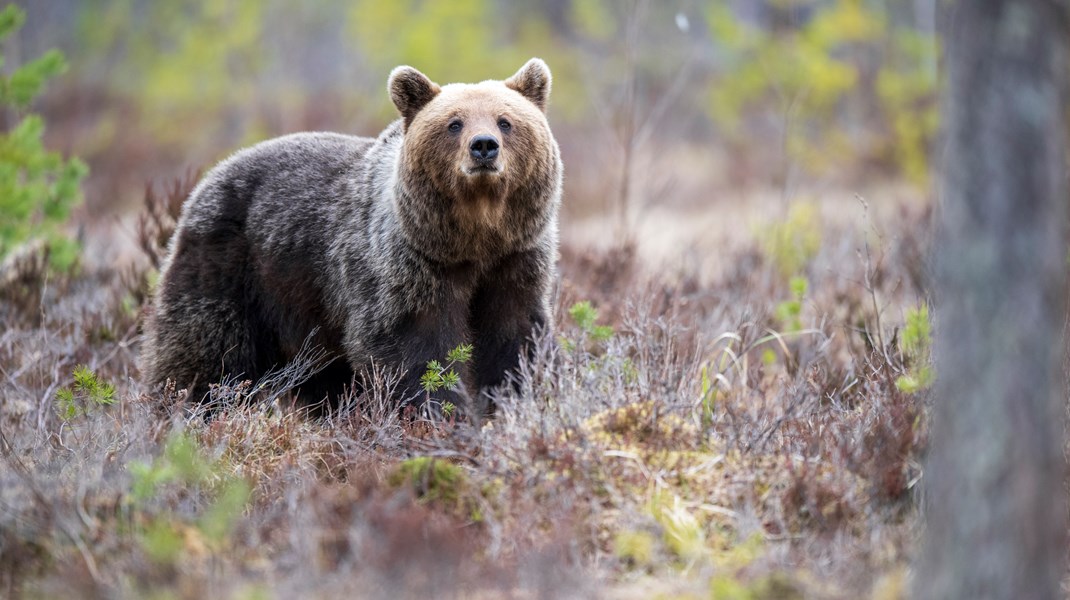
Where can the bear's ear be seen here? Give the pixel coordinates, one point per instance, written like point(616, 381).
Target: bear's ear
point(410, 90)
point(533, 82)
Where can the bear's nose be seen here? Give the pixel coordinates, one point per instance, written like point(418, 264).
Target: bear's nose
point(484, 148)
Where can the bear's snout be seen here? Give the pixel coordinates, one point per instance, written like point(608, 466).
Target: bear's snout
point(484, 149)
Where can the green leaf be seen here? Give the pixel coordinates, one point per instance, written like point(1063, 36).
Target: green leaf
point(67, 407)
point(583, 314)
point(11, 19)
point(26, 82)
point(798, 287)
point(768, 356)
point(460, 354)
point(147, 477)
point(451, 380)
point(788, 313)
point(431, 381)
point(792, 243)
point(586, 316)
point(63, 254)
point(162, 541)
point(184, 454)
point(916, 338)
point(916, 381)
point(601, 333)
point(105, 394)
point(219, 520)
point(84, 378)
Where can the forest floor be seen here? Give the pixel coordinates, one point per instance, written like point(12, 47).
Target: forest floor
point(738, 412)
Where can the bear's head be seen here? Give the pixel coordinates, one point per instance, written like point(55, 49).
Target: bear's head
point(477, 159)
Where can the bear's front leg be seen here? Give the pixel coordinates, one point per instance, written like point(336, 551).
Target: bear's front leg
point(509, 306)
point(408, 345)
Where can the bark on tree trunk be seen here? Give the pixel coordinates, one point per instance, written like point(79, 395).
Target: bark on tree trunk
point(995, 506)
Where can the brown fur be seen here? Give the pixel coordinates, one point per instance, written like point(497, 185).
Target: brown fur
point(478, 202)
point(395, 250)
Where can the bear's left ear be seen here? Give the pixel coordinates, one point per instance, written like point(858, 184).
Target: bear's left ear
point(533, 82)
point(410, 90)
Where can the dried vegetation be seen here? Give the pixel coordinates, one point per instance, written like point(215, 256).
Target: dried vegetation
point(737, 436)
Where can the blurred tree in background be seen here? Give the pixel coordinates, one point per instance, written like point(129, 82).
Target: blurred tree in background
point(37, 187)
point(995, 479)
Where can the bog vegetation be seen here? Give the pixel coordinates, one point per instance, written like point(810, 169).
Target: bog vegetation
point(747, 426)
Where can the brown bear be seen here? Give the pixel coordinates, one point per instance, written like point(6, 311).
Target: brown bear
point(392, 250)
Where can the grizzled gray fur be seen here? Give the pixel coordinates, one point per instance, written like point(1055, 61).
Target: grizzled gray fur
point(441, 231)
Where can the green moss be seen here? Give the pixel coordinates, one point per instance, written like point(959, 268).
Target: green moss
point(636, 547)
point(775, 586)
point(446, 486)
point(639, 425)
point(682, 532)
point(431, 478)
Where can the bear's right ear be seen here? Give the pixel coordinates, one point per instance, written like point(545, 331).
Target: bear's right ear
point(410, 90)
point(533, 82)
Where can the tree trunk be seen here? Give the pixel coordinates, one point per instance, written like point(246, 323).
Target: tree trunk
point(994, 482)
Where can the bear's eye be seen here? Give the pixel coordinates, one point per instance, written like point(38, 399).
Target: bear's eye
point(504, 125)
point(455, 126)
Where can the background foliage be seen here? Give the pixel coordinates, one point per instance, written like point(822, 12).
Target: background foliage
point(765, 91)
point(37, 186)
point(738, 416)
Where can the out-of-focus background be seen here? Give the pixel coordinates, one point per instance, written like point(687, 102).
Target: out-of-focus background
point(677, 119)
point(733, 401)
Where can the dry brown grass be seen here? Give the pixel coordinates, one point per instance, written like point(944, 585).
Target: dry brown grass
point(702, 450)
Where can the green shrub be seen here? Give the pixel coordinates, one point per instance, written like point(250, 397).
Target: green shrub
point(184, 464)
point(37, 187)
point(585, 316)
point(439, 376)
point(88, 391)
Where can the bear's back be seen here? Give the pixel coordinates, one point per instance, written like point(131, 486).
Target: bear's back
point(283, 177)
point(274, 206)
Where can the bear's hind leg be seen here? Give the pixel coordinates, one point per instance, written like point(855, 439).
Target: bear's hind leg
point(196, 342)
